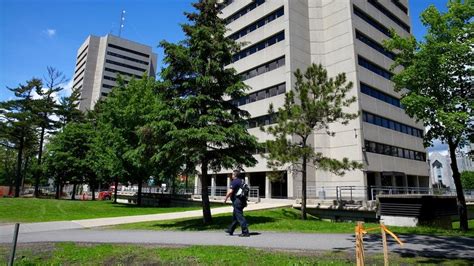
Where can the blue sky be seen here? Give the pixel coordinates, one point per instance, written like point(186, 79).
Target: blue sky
point(35, 34)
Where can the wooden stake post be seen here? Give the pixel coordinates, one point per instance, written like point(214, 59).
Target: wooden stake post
point(359, 235)
point(384, 243)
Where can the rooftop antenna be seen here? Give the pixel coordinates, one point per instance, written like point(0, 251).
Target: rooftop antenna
point(122, 22)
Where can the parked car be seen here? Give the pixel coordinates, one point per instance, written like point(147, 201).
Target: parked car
point(105, 195)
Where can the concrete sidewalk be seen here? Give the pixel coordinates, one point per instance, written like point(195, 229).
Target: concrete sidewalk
point(426, 246)
point(90, 223)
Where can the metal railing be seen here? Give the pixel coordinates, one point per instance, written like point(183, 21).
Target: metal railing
point(340, 193)
point(355, 193)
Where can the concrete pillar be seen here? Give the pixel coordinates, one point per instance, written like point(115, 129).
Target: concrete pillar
point(213, 185)
point(197, 185)
point(247, 179)
point(229, 179)
point(268, 188)
point(290, 187)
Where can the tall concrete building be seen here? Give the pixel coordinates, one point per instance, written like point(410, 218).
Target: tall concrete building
point(100, 59)
point(281, 36)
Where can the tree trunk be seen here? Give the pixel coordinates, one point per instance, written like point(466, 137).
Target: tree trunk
point(139, 195)
point(18, 167)
point(40, 154)
point(58, 186)
point(115, 190)
point(303, 189)
point(462, 209)
point(92, 184)
point(73, 195)
point(61, 188)
point(206, 207)
point(25, 168)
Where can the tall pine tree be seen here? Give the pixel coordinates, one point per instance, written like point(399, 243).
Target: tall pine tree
point(46, 107)
point(315, 102)
point(210, 132)
point(18, 122)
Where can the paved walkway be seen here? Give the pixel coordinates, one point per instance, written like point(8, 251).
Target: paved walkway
point(90, 223)
point(427, 246)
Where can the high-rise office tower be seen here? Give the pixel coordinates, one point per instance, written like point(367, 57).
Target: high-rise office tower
point(99, 61)
point(281, 36)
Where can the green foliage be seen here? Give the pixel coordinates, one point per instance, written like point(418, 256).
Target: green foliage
point(68, 109)
point(436, 80)
point(467, 179)
point(7, 165)
point(68, 156)
point(209, 130)
point(17, 125)
point(315, 103)
point(125, 146)
point(437, 73)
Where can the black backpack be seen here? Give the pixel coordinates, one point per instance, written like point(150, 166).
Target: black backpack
point(244, 191)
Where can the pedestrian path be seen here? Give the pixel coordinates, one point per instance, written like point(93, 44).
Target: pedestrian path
point(90, 223)
point(426, 246)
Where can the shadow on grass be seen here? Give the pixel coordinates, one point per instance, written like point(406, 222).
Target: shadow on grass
point(218, 223)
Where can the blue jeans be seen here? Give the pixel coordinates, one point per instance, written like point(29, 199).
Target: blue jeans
point(238, 217)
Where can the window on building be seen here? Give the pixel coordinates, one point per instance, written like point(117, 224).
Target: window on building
point(244, 10)
point(373, 44)
point(370, 20)
point(374, 68)
point(259, 46)
point(128, 50)
point(258, 24)
point(269, 66)
point(389, 14)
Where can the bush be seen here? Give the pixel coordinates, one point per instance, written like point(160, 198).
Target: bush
point(467, 179)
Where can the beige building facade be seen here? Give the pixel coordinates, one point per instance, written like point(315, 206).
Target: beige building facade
point(281, 36)
point(100, 60)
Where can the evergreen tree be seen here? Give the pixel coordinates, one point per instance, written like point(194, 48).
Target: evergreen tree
point(68, 109)
point(46, 107)
point(438, 73)
point(315, 102)
point(18, 122)
point(210, 131)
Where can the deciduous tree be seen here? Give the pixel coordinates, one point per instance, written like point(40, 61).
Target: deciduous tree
point(438, 73)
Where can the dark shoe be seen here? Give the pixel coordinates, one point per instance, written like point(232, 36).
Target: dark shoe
point(229, 232)
point(244, 235)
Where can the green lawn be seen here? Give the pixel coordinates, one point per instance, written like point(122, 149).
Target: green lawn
point(284, 220)
point(109, 254)
point(44, 210)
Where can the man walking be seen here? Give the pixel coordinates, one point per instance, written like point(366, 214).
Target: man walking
point(239, 203)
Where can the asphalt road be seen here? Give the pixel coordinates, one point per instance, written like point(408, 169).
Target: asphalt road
point(428, 246)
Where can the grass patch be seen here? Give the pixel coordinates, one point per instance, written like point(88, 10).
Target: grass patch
point(109, 254)
point(284, 220)
point(45, 210)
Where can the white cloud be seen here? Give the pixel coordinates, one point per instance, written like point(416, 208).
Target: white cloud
point(50, 32)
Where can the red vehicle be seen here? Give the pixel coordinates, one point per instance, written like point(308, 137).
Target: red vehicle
point(104, 195)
